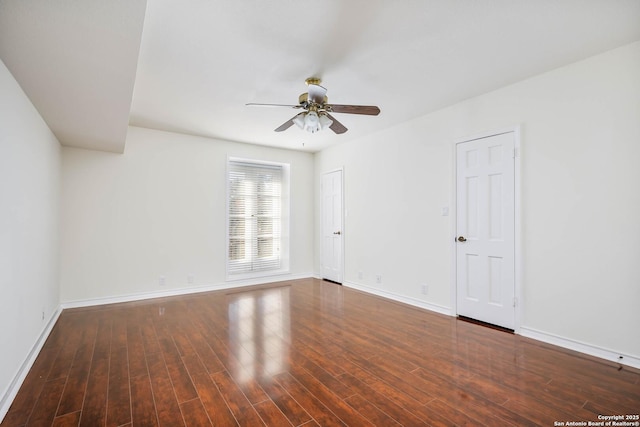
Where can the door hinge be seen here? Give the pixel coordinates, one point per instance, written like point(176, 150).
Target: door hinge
point(515, 301)
point(516, 153)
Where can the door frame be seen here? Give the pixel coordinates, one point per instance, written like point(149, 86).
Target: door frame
point(518, 263)
point(342, 220)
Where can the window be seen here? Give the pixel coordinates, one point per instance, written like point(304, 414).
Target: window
point(257, 218)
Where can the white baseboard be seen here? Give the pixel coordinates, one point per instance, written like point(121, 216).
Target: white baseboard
point(559, 341)
point(400, 298)
point(581, 347)
point(12, 390)
point(183, 291)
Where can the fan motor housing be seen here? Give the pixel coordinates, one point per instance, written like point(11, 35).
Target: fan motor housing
point(303, 99)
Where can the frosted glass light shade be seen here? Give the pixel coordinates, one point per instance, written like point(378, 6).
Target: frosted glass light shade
point(325, 121)
point(312, 122)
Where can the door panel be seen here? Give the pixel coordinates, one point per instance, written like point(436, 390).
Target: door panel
point(485, 248)
point(332, 230)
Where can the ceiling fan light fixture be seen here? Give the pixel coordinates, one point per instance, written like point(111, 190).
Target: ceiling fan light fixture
point(325, 121)
point(299, 120)
point(315, 115)
point(312, 122)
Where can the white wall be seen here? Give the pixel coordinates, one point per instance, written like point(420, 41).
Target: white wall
point(159, 209)
point(29, 199)
point(580, 199)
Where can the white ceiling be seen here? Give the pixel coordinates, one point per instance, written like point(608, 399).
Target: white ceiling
point(201, 61)
point(76, 60)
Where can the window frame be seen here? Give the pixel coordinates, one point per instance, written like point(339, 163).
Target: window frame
point(284, 244)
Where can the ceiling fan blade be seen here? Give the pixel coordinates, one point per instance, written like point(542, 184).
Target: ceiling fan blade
point(286, 125)
point(316, 93)
point(369, 110)
point(336, 126)
point(253, 104)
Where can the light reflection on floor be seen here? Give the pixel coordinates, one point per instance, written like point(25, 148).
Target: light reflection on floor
point(260, 332)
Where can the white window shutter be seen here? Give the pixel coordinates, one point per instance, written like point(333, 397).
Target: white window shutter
point(254, 217)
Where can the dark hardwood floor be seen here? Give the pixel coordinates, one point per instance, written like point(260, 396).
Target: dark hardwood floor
point(305, 353)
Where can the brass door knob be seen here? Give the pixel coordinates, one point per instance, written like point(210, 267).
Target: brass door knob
point(461, 239)
point(337, 232)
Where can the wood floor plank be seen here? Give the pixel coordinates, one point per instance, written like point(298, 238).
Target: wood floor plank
point(287, 405)
point(74, 391)
point(135, 346)
point(325, 362)
point(212, 400)
point(370, 411)
point(95, 404)
point(478, 403)
point(406, 382)
point(210, 359)
point(67, 420)
point(475, 408)
point(330, 381)
point(584, 369)
point(606, 406)
point(400, 407)
point(31, 388)
point(164, 396)
point(312, 405)
point(149, 338)
point(119, 329)
point(528, 406)
point(143, 409)
point(194, 414)
point(380, 387)
point(181, 338)
point(177, 371)
point(334, 403)
point(271, 415)
point(94, 409)
point(119, 398)
point(304, 353)
point(194, 365)
point(600, 384)
point(64, 359)
point(45, 408)
point(238, 403)
point(244, 376)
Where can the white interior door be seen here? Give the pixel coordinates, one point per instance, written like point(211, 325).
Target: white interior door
point(332, 232)
point(485, 252)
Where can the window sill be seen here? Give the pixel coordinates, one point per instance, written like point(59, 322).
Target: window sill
point(256, 275)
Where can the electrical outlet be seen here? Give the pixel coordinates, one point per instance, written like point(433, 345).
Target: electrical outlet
point(190, 279)
point(425, 289)
point(162, 281)
point(378, 279)
point(360, 275)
